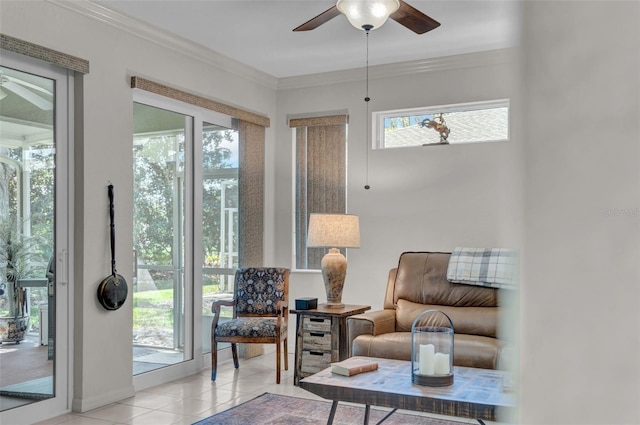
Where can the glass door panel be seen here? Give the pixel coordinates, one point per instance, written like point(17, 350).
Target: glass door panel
point(27, 243)
point(219, 220)
point(159, 210)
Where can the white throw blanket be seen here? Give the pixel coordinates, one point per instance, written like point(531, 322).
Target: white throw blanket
point(490, 267)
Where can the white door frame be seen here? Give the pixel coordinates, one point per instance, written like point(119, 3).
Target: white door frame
point(195, 360)
point(63, 136)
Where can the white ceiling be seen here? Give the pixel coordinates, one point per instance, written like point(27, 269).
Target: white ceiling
point(259, 33)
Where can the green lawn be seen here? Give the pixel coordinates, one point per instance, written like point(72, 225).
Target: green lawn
point(154, 309)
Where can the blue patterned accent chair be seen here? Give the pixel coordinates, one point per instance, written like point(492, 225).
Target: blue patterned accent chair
point(260, 314)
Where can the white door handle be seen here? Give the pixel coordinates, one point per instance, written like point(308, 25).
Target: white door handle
point(63, 261)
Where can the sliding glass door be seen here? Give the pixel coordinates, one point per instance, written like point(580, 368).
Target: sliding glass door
point(185, 228)
point(159, 178)
point(34, 237)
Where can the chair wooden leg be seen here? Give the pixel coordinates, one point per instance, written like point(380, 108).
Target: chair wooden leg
point(234, 351)
point(278, 362)
point(214, 358)
point(286, 355)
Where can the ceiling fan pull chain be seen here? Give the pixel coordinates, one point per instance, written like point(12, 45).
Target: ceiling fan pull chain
point(366, 101)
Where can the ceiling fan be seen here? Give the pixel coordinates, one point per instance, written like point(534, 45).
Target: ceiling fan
point(25, 90)
point(371, 14)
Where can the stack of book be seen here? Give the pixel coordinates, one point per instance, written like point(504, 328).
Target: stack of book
point(354, 366)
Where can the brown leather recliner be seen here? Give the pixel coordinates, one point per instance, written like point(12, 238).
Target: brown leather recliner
point(420, 283)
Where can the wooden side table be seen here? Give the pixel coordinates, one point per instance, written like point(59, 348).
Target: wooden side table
point(321, 337)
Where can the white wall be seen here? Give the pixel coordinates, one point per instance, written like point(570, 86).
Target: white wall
point(103, 347)
point(580, 351)
point(421, 198)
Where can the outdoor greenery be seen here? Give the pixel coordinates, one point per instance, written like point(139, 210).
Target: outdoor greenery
point(154, 308)
point(159, 185)
point(158, 173)
point(158, 168)
point(40, 220)
point(26, 242)
point(21, 257)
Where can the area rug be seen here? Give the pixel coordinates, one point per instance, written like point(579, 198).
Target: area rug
point(274, 409)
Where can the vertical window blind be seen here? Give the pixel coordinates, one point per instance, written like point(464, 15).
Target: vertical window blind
point(321, 153)
point(251, 194)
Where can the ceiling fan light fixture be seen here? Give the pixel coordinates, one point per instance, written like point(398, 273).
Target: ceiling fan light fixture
point(367, 14)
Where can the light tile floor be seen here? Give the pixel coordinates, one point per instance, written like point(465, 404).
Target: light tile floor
point(190, 399)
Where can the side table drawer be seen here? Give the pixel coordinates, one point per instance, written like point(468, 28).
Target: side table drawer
point(316, 341)
point(316, 324)
point(315, 361)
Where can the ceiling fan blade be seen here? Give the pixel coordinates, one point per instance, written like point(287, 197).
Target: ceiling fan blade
point(28, 95)
point(27, 84)
point(413, 19)
point(322, 18)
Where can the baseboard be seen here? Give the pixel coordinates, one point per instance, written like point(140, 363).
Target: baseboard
point(85, 404)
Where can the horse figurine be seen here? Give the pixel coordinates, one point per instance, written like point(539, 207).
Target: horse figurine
point(438, 125)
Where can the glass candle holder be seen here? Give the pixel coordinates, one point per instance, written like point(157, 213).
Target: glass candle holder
point(432, 349)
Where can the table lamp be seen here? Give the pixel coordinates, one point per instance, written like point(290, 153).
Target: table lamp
point(333, 231)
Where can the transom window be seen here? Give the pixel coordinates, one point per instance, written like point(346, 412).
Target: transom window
point(445, 124)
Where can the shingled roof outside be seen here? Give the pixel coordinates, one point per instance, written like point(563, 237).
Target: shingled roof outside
point(466, 127)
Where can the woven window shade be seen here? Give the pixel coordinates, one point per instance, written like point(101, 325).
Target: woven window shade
point(203, 102)
point(319, 121)
point(320, 177)
point(251, 195)
point(42, 53)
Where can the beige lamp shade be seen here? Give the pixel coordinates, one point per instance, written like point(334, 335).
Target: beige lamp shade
point(333, 231)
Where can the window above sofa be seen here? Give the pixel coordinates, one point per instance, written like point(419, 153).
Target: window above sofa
point(472, 122)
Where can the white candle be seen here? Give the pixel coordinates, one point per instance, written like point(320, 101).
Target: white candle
point(427, 360)
point(441, 364)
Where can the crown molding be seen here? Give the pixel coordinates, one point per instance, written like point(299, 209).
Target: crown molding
point(198, 52)
point(162, 38)
point(445, 63)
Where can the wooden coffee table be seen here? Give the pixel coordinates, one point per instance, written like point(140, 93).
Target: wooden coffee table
point(475, 393)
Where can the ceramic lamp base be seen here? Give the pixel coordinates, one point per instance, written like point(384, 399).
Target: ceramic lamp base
point(334, 270)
